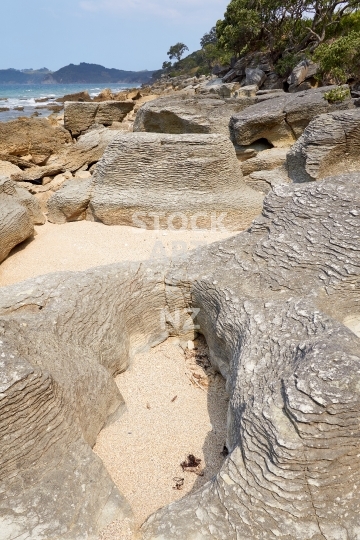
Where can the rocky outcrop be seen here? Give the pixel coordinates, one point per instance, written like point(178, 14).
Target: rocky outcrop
point(70, 201)
point(86, 151)
point(33, 138)
point(19, 211)
point(184, 180)
point(10, 170)
point(197, 114)
point(330, 145)
point(302, 76)
point(78, 117)
point(283, 119)
point(266, 180)
point(273, 305)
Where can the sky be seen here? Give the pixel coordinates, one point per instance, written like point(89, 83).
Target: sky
point(123, 34)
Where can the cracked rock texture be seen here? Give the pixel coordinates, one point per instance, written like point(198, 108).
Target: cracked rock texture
point(197, 114)
point(282, 120)
point(187, 181)
point(19, 212)
point(330, 145)
point(79, 116)
point(274, 303)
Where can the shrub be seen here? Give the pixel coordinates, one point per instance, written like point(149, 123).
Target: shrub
point(338, 94)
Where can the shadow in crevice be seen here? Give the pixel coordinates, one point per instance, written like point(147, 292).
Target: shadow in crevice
point(207, 379)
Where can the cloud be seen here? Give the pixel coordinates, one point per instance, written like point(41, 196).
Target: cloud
point(167, 9)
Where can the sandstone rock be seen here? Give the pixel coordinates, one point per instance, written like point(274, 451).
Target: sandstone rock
point(70, 201)
point(83, 174)
point(87, 150)
point(329, 145)
point(195, 115)
point(79, 96)
point(281, 120)
point(31, 204)
point(265, 161)
point(266, 180)
point(184, 180)
point(306, 69)
point(35, 136)
point(78, 117)
point(273, 305)
point(17, 216)
point(10, 170)
point(219, 88)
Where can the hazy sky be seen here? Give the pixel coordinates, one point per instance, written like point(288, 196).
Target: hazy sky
point(124, 34)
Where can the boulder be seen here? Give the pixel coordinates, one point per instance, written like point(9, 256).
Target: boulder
point(19, 211)
point(70, 201)
point(34, 138)
point(219, 88)
point(303, 72)
point(281, 120)
point(254, 77)
point(78, 117)
point(78, 96)
point(329, 145)
point(190, 115)
point(10, 170)
point(266, 180)
point(265, 160)
point(182, 180)
point(273, 303)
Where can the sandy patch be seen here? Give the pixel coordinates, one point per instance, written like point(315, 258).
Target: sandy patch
point(82, 245)
point(168, 417)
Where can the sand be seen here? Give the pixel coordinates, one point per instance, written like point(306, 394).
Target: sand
point(174, 406)
point(168, 417)
point(82, 245)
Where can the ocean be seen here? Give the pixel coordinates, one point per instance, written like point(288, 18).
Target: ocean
point(24, 96)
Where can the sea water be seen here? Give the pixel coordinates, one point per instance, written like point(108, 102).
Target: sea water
point(21, 95)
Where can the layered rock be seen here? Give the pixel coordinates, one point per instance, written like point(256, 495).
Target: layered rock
point(78, 117)
point(330, 145)
point(273, 305)
point(188, 115)
point(283, 119)
point(33, 138)
point(184, 180)
point(19, 212)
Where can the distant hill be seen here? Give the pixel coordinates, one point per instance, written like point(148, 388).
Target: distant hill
point(94, 73)
point(71, 74)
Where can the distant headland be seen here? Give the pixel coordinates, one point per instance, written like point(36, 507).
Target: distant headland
point(74, 74)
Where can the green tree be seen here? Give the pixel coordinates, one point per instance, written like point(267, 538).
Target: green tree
point(177, 51)
point(210, 38)
point(166, 65)
point(340, 59)
point(289, 26)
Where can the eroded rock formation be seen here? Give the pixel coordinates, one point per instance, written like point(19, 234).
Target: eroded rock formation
point(273, 305)
point(78, 117)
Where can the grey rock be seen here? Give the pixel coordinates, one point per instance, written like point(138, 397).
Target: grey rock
point(273, 306)
point(306, 69)
point(18, 213)
point(266, 180)
point(329, 145)
point(79, 117)
point(274, 303)
point(198, 114)
point(254, 77)
point(265, 160)
point(196, 176)
point(281, 120)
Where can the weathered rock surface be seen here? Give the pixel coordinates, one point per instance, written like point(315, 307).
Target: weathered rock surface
point(265, 160)
point(273, 305)
point(70, 202)
point(19, 211)
point(78, 117)
point(283, 119)
point(185, 180)
point(329, 145)
point(266, 180)
point(35, 138)
point(193, 115)
point(88, 149)
point(10, 170)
